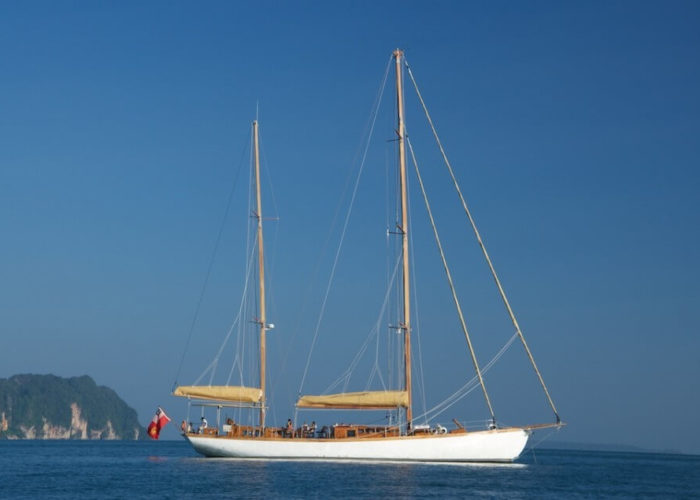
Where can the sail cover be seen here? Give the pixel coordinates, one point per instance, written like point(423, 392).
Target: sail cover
point(235, 393)
point(348, 400)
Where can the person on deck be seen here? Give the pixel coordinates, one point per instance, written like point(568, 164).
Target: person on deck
point(203, 425)
point(290, 428)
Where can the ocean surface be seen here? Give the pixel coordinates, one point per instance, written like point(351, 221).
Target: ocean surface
point(170, 469)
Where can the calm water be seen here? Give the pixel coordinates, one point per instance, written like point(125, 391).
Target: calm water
point(70, 469)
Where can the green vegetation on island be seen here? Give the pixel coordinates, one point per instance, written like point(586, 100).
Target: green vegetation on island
point(51, 407)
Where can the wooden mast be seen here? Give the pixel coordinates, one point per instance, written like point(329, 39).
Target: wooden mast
point(261, 272)
point(406, 324)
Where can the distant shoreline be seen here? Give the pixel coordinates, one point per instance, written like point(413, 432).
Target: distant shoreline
point(620, 448)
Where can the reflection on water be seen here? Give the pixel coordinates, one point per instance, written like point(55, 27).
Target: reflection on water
point(67, 470)
point(374, 463)
point(349, 478)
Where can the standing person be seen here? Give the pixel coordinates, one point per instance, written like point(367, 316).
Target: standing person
point(183, 427)
point(290, 428)
point(203, 425)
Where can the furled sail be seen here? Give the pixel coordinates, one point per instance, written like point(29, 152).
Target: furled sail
point(348, 400)
point(235, 393)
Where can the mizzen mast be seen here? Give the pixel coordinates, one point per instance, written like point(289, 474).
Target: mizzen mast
point(261, 271)
point(406, 323)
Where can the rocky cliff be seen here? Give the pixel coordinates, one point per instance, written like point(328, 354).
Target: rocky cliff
point(50, 407)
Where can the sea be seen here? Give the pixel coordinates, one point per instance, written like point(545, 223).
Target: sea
point(171, 469)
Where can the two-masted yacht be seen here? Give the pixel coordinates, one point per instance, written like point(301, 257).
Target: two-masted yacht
point(404, 441)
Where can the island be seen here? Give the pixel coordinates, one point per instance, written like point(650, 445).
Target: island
point(51, 407)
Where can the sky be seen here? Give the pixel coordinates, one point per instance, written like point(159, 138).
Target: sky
point(573, 128)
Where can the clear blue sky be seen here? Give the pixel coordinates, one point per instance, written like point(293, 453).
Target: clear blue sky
point(574, 128)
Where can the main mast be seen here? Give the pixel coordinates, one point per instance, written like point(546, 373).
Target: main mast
point(261, 272)
point(406, 323)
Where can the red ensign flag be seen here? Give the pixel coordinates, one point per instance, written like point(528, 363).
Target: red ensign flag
point(160, 420)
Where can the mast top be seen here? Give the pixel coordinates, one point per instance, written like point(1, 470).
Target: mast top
point(398, 52)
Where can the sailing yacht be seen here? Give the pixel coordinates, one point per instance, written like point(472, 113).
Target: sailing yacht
point(404, 441)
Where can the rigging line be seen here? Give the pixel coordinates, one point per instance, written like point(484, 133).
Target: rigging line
point(369, 127)
point(310, 282)
point(456, 396)
point(211, 368)
point(326, 243)
point(209, 268)
point(345, 374)
point(381, 379)
point(546, 436)
point(255, 221)
point(449, 279)
point(245, 306)
point(236, 363)
point(268, 178)
point(345, 226)
point(483, 248)
point(471, 384)
point(206, 370)
point(375, 367)
point(375, 330)
point(414, 285)
point(377, 325)
point(417, 328)
point(270, 297)
point(371, 377)
point(240, 335)
point(237, 319)
point(376, 371)
point(388, 247)
point(250, 253)
point(215, 361)
point(270, 257)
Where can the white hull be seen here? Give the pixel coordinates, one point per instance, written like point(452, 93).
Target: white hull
point(499, 445)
